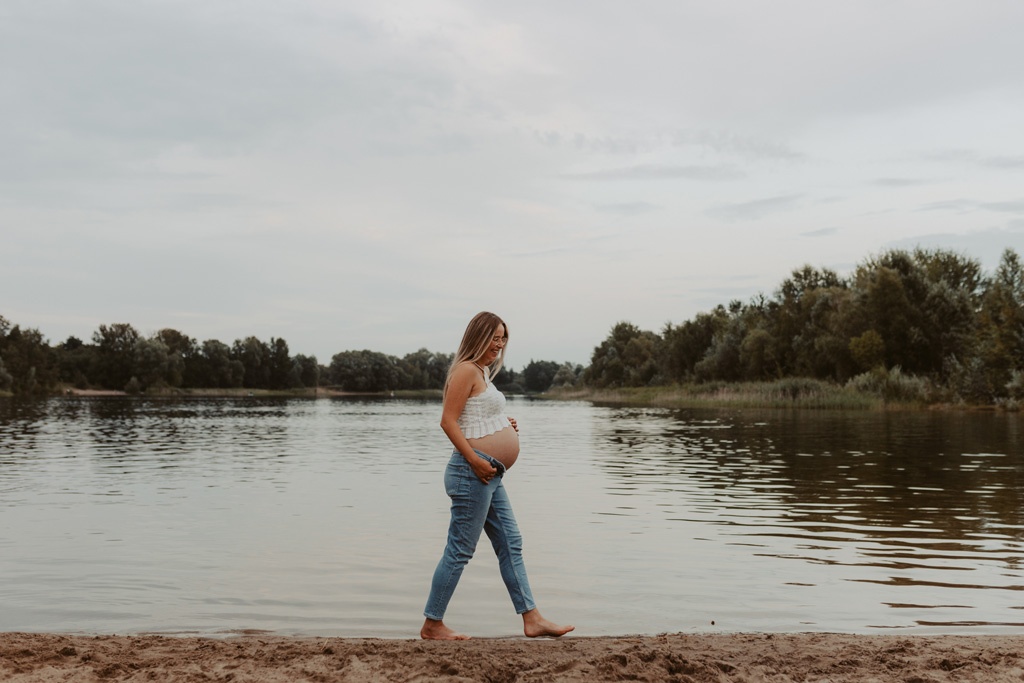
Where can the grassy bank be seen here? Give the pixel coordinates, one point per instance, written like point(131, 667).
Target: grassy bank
point(787, 393)
point(876, 389)
point(431, 394)
point(196, 393)
point(319, 392)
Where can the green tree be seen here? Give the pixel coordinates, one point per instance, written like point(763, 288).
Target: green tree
point(76, 362)
point(183, 357)
point(1000, 327)
point(806, 323)
point(415, 366)
point(626, 358)
point(280, 365)
point(686, 344)
point(426, 369)
point(922, 304)
point(28, 360)
point(115, 354)
point(757, 355)
point(539, 375)
point(217, 368)
point(305, 373)
point(6, 380)
point(955, 286)
point(509, 381)
point(567, 375)
point(155, 365)
point(254, 355)
point(868, 350)
point(722, 359)
point(365, 371)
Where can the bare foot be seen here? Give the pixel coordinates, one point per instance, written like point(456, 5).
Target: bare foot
point(535, 626)
point(436, 630)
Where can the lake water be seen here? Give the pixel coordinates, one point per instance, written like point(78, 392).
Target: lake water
point(326, 517)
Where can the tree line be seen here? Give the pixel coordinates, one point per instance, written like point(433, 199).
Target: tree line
point(925, 324)
point(120, 358)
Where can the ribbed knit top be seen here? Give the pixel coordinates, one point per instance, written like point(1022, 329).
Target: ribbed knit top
point(484, 413)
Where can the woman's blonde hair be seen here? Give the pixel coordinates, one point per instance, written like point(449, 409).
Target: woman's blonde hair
point(475, 340)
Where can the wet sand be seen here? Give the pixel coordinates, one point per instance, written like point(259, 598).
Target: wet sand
point(776, 658)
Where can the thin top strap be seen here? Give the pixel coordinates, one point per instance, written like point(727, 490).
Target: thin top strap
point(485, 371)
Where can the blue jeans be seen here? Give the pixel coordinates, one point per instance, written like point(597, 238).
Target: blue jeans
point(477, 507)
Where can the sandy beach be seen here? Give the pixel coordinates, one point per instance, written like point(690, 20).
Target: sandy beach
point(777, 658)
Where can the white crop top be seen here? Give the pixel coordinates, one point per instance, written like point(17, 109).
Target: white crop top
point(484, 413)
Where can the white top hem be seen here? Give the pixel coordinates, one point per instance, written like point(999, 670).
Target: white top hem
point(485, 428)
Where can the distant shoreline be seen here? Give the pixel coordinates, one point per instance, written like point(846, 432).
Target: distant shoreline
point(780, 394)
point(320, 392)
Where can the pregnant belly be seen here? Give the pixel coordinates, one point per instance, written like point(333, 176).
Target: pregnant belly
point(503, 446)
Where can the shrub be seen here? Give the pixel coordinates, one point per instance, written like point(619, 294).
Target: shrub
point(892, 385)
point(1015, 387)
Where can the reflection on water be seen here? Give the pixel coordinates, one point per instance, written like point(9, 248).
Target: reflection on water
point(326, 517)
point(905, 500)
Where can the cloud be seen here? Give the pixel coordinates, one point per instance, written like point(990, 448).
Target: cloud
point(962, 156)
point(985, 245)
point(823, 232)
point(756, 208)
point(1005, 207)
point(968, 205)
point(899, 182)
point(725, 142)
point(660, 172)
point(231, 159)
point(957, 205)
point(602, 144)
point(1004, 162)
point(943, 156)
point(720, 142)
point(627, 208)
point(117, 90)
point(579, 247)
point(564, 250)
point(708, 298)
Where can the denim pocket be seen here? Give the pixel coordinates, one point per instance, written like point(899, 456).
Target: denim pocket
point(457, 476)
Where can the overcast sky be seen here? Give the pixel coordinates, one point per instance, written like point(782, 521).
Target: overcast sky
point(352, 175)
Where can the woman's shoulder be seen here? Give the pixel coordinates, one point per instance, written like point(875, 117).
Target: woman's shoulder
point(468, 367)
point(464, 382)
point(467, 372)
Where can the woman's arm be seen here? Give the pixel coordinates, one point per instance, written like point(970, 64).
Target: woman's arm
point(463, 380)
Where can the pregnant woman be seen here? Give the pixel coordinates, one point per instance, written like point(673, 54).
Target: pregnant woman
point(486, 445)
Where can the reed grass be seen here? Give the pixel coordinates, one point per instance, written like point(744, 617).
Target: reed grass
point(419, 393)
point(320, 392)
point(783, 393)
point(234, 392)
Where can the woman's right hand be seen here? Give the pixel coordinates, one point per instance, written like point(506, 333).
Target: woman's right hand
point(483, 470)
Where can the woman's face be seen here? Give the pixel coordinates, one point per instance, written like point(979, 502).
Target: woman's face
point(494, 347)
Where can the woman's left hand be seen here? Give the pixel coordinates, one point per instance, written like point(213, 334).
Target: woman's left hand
point(515, 425)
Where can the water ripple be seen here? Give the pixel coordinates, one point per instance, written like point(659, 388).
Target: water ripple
point(326, 516)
